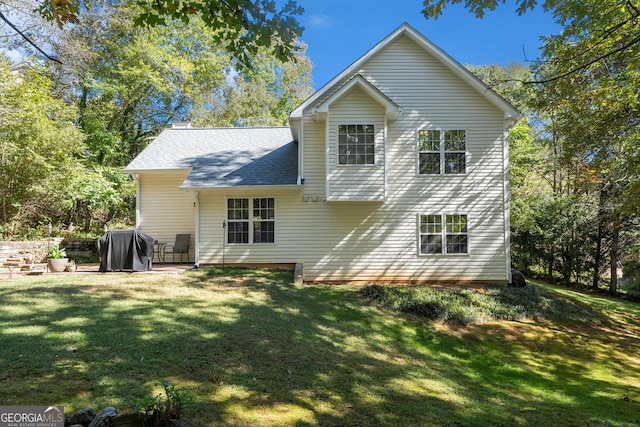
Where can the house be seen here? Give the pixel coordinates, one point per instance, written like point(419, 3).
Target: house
point(395, 170)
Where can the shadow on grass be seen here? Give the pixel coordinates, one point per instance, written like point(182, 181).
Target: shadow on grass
point(257, 350)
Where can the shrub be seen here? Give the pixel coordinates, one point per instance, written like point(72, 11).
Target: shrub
point(158, 411)
point(631, 272)
point(468, 306)
point(460, 307)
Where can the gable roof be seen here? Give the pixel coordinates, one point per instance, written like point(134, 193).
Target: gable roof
point(223, 157)
point(391, 108)
point(510, 112)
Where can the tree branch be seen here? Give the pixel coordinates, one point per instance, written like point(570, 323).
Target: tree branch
point(24, 36)
point(585, 65)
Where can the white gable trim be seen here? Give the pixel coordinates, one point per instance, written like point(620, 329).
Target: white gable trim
point(392, 110)
point(510, 112)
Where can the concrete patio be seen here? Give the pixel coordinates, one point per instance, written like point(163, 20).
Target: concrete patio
point(94, 269)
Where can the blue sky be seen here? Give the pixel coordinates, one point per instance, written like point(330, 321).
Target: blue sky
point(338, 32)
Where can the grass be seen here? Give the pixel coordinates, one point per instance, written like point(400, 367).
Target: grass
point(254, 349)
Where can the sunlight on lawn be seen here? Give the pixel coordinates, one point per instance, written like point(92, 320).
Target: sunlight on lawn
point(256, 350)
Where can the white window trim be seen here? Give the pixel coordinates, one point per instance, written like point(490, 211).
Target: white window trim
point(250, 220)
point(442, 152)
point(375, 145)
point(443, 253)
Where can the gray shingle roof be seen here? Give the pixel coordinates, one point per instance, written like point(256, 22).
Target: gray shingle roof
point(223, 157)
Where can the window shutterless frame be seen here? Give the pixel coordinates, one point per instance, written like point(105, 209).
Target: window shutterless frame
point(356, 144)
point(237, 220)
point(442, 152)
point(443, 234)
point(251, 220)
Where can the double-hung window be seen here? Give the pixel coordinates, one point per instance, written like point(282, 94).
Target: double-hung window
point(251, 220)
point(264, 220)
point(356, 144)
point(238, 221)
point(443, 234)
point(442, 152)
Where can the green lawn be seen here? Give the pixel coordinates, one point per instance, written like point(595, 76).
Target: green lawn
point(254, 349)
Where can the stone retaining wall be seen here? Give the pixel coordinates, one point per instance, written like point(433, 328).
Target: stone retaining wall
point(36, 250)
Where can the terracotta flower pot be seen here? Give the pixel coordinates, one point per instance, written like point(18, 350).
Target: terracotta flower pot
point(57, 265)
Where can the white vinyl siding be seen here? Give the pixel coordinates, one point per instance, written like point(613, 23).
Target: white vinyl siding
point(373, 241)
point(365, 237)
point(165, 210)
point(355, 182)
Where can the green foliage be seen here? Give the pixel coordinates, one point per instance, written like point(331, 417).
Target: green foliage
point(60, 11)
point(129, 83)
point(507, 81)
point(243, 27)
point(56, 252)
point(97, 195)
point(158, 410)
point(467, 306)
point(135, 82)
point(435, 8)
point(631, 273)
point(263, 95)
point(554, 230)
point(587, 118)
point(591, 75)
point(39, 137)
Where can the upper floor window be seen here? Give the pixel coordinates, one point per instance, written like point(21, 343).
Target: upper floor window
point(259, 227)
point(442, 152)
point(443, 234)
point(356, 145)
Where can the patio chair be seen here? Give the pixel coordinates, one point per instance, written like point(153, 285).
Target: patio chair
point(181, 246)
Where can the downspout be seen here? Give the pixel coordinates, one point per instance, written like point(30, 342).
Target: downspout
point(196, 204)
point(327, 166)
point(385, 142)
point(136, 179)
point(301, 151)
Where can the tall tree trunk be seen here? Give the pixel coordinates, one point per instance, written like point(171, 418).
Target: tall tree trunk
point(4, 215)
point(597, 256)
point(555, 164)
point(615, 235)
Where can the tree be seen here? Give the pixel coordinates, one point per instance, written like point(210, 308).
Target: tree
point(38, 136)
point(133, 82)
point(125, 83)
point(595, 99)
point(261, 95)
point(242, 27)
point(592, 30)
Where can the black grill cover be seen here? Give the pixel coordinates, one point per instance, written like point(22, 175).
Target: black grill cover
point(129, 250)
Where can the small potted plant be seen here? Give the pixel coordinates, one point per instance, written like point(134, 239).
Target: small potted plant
point(57, 259)
point(71, 266)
